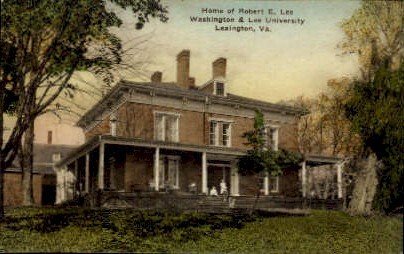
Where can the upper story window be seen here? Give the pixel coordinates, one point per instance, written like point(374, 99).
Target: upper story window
point(213, 133)
point(220, 133)
point(226, 134)
point(220, 88)
point(271, 137)
point(56, 157)
point(166, 126)
point(112, 124)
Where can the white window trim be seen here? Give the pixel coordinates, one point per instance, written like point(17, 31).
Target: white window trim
point(220, 121)
point(162, 172)
point(276, 190)
point(229, 134)
point(216, 132)
point(215, 88)
point(164, 114)
point(112, 123)
point(275, 136)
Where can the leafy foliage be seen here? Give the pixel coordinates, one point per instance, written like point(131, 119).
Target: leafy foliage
point(374, 33)
point(376, 110)
point(262, 158)
point(43, 42)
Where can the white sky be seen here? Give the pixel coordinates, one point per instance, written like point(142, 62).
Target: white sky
point(291, 60)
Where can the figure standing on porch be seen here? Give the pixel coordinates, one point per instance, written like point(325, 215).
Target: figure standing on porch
point(223, 187)
point(213, 191)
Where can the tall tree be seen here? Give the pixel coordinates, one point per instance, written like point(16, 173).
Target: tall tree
point(376, 110)
point(261, 159)
point(43, 42)
point(325, 129)
point(375, 32)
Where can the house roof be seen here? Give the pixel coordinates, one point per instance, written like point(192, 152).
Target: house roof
point(318, 159)
point(136, 142)
point(173, 90)
point(43, 158)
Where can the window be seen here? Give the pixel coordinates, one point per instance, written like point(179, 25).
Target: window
point(270, 182)
point(49, 137)
point(56, 157)
point(112, 123)
point(273, 183)
point(271, 136)
point(220, 89)
point(166, 127)
point(226, 134)
point(213, 137)
point(168, 172)
point(220, 133)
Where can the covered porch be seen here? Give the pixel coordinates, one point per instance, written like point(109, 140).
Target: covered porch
point(107, 163)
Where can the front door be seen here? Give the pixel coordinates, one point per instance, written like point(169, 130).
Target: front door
point(215, 176)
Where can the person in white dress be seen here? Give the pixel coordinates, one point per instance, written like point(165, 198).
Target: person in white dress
point(223, 187)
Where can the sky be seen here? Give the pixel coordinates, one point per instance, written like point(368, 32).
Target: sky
point(289, 61)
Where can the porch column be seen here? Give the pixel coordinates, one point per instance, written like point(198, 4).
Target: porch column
point(304, 178)
point(87, 179)
point(76, 178)
point(156, 168)
point(101, 167)
point(204, 174)
point(266, 184)
point(339, 179)
point(234, 187)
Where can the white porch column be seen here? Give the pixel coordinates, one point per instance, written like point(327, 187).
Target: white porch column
point(304, 179)
point(339, 179)
point(204, 174)
point(101, 167)
point(156, 168)
point(76, 178)
point(234, 188)
point(266, 184)
point(87, 172)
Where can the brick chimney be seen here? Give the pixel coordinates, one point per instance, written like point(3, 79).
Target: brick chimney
point(219, 68)
point(191, 82)
point(183, 68)
point(156, 77)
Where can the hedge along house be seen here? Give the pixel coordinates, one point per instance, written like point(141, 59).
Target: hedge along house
point(159, 136)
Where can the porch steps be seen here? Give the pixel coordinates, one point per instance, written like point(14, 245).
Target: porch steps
point(213, 205)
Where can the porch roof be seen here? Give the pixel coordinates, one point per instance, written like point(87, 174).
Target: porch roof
point(317, 159)
point(136, 142)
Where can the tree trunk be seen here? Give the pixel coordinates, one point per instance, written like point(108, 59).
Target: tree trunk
point(257, 194)
point(365, 187)
point(27, 165)
point(2, 159)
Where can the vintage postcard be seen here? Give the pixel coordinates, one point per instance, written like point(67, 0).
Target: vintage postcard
point(201, 126)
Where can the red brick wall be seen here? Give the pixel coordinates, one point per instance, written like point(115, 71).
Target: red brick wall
point(288, 136)
point(136, 120)
point(101, 128)
point(138, 170)
point(13, 189)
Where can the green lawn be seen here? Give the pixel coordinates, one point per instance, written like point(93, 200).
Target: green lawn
point(77, 230)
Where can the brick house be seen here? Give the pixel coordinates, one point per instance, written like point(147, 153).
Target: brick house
point(155, 136)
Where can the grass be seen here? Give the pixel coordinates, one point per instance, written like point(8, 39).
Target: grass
point(78, 230)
